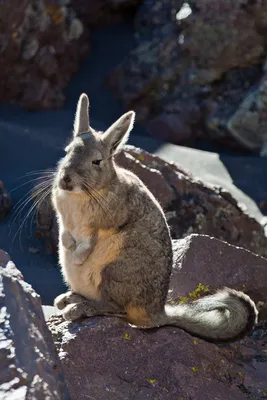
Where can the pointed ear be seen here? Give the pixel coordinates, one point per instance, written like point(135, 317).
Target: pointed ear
point(81, 122)
point(118, 133)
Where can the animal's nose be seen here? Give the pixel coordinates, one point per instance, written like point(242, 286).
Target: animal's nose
point(66, 178)
point(65, 182)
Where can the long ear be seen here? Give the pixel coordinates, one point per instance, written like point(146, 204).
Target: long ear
point(81, 122)
point(118, 133)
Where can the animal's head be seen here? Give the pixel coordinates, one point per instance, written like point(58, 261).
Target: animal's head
point(88, 163)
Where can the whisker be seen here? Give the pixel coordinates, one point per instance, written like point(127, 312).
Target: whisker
point(24, 201)
point(28, 182)
point(30, 192)
point(37, 204)
point(45, 191)
point(40, 172)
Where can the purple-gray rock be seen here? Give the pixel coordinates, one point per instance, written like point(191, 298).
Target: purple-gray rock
point(29, 364)
point(202, 264)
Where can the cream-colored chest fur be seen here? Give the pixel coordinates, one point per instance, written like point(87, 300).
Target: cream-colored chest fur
point(75, 216)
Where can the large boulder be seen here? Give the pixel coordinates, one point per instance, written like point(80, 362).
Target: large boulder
point(29, 364)
point(193, 66)
point(191, 206)
point(120, 362)
point(41, 45)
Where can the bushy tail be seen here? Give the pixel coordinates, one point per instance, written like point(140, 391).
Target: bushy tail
point(225, 316)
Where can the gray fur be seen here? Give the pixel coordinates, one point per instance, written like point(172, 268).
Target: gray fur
point(104, 197)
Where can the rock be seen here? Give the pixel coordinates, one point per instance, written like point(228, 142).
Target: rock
point(191, 206)
point(30, 368)
point(5, 201)
point(211, 263)
point(169, 126)
point(34, 42)
point(120, 362)
point(248, 124)
point(101, 12)
point(146, 78)
point(194, 70)
point(153, 16)
point(224, 100)
point(223, 35)
point(50, 311)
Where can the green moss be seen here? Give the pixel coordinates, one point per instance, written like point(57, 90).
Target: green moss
point(127, 336)
point(152, 381)
point(196, 294)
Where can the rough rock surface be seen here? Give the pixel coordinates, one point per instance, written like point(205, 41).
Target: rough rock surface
point(249, 123)
point(202, 264)
point(120, 362)
point(29, 365)
point(5, 201)
point(190, 206)
point(100, 12)
point(195, 63)
point(34, 42)
point(222, 35)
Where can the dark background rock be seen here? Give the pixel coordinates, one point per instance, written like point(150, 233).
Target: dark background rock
point(5, 201)
point(223, 35)
point(29, 365)
point(41, 45)
point(190, 205)
point(120, 362)
point(197, 69)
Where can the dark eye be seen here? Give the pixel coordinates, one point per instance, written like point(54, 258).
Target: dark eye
point(96, 162)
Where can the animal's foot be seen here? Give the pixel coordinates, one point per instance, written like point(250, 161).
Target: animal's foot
point(64, 299)
point(88, 309)
point(75, 311)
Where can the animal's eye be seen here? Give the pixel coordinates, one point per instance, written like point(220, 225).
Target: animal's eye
point(96, 162)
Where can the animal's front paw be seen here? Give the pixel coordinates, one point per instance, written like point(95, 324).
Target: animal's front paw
point(79, 257)
point(68, 241)
point(73, 312)
point(81, 253)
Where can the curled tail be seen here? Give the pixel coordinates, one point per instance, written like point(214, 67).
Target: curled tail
point(225, 316)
